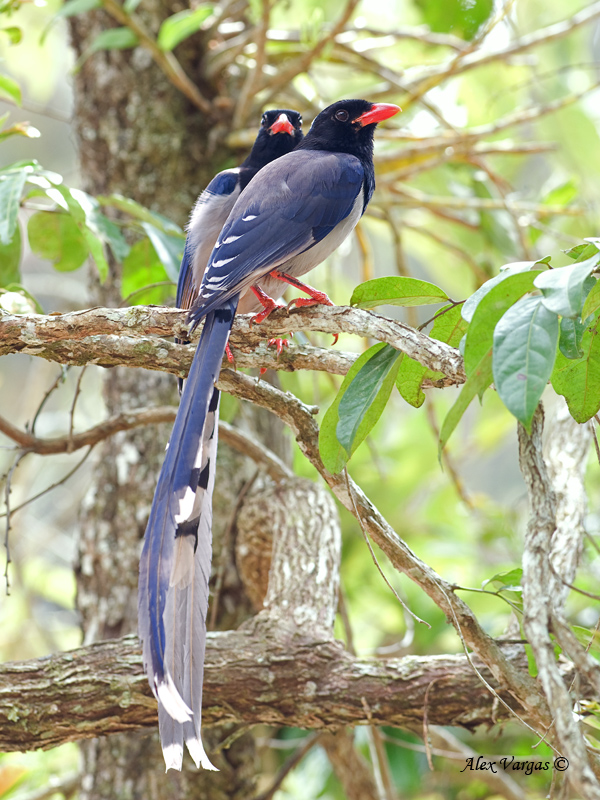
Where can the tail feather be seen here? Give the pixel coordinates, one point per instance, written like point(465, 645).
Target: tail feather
point(175, 562)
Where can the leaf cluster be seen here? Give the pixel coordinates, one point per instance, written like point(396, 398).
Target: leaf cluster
point(529, 325)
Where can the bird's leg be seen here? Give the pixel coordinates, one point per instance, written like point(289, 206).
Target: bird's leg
point(315, 296)
point(268, 305)
point(266, 302)
point(229, 354)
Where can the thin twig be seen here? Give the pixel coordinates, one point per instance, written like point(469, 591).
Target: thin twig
point(253, 78)
point(52, 486)
point(59, 379)
point(374, 557)
point(303, 63)
point(240, 441)
point(9, 512)
point(309, 742)
point(72, 411)
point(433, 76)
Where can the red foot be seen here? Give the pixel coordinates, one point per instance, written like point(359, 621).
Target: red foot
point(316, 299)
point(279, 344)
point(314, 295)
point(266, 302)
point(229, 354)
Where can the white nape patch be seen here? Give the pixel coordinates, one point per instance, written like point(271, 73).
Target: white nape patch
point(198, 754)
point(222, 262)
point(172, 701)
point(249, 218)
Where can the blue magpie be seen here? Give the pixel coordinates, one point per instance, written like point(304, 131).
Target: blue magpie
point(293, 214)
point(280, 131)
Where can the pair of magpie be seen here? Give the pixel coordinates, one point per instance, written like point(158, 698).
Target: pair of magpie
point(253, 231)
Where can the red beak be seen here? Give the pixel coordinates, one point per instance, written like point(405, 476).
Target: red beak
point(282, 125)
point(378, 112)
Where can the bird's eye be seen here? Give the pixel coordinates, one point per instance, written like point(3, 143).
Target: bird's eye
point(342, 115)
point(299, 120)
point(264, 120)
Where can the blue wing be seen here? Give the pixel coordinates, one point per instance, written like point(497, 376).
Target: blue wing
point(293, 204)
point(208, 216)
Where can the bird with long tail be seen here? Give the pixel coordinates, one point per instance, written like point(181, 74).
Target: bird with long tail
point(293, 214)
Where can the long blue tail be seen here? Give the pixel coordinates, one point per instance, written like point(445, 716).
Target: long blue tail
point(176, 558)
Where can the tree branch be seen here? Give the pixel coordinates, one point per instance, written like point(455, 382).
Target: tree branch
point(96, 336)
point(248, 680)
point(537, 600)
point(299, 418)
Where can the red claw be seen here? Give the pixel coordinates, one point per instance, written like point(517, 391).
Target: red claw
point(229, 354)
point(279, 344)
point(266, 302)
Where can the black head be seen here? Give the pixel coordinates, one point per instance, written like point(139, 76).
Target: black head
point(348, 127)
point(280, 132)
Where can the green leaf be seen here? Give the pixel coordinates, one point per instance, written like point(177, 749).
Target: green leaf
point(111, 39)
point(333, 454)
point(182, 25)
point(456, 16)
point(80, 216)
point(489, 311)
point(409, 380)
point(476, 384)
point(54, 235)
point(525, 342)
point(142, 213)
point(581, 252)
point(588, 639)
point(506, 581)
point(515, 268)
point(141, 268)
point(168, 248)
point(571, 333)
point(509, 584)
point(73, 7)
point(10, 89)
point(70, 9)
point(10, 260)
point(448, 327)
point(366, 396)
point(396, 292)
point(114, 39)
point(564, 288)
point(579, 381)
point(592, 302)
point(11, 189)
point(104, 228)
point(562, 195)
point(14, 34)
